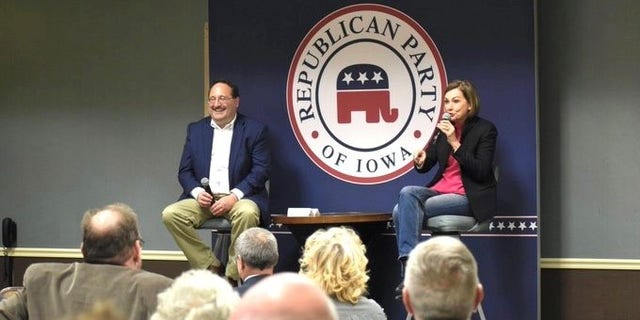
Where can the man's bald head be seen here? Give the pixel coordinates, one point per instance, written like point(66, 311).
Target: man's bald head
point(110, 234)
point(285, 296)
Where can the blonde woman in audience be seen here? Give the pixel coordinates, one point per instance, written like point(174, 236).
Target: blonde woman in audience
point(335, 259)
point(197, 295)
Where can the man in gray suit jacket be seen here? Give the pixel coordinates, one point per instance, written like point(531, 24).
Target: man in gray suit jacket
point(111, 273)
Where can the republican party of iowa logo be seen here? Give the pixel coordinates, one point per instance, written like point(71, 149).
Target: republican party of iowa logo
point(364, 92)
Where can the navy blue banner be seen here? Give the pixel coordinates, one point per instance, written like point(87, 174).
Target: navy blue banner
point(300, 65)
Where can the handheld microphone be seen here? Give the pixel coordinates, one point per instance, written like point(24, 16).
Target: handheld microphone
point(445, 116)
point(204, 182)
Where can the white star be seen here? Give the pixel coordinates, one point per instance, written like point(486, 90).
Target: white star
point(491, 226)
point(522, 226)
point(500, 225)
point(533, 225)
point(512, 225)
point(377, 77)
point(347, 78)
point(363, 77)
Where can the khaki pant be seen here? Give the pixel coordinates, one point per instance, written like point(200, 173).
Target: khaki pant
point(183, 217)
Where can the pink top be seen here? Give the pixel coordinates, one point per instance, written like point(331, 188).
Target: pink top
point(451, 181)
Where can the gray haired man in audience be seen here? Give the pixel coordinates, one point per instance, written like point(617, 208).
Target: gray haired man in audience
point(441, 281)
point(111, 272)
point(285, 296)
point(197, 294)
point(256, 256)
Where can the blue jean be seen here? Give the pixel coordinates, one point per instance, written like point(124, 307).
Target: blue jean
point(414, 204)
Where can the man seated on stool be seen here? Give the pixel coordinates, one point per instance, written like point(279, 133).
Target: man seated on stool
point(111, 273)
point(257, 255)
point(231, 150)
point(441, 281)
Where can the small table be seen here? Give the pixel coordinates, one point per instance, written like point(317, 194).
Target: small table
point(366, 224)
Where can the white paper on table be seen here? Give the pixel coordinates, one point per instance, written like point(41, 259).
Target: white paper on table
point(303, 212)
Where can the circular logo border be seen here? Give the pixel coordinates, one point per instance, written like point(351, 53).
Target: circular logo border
point(291, 106)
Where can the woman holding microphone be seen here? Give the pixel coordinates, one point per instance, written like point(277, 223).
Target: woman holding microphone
point(464, 183)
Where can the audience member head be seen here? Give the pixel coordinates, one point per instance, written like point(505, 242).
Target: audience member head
point(285, 296)
point(335, 259)
point(101, 311)
point(110, 235)
point(256, 251)
point(470, 94)
point(441, 281)
point(196, 295)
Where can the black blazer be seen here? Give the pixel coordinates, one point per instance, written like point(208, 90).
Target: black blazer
point(476, 159)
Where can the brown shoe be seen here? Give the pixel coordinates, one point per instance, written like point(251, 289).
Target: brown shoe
point(216, 270)
point(232, 282)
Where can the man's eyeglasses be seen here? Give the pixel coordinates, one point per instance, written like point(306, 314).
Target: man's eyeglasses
point(222, 99)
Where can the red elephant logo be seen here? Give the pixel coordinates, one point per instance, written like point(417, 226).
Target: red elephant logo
point(364, 87)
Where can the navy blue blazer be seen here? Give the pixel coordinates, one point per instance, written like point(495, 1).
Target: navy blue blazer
point(249, 160)
point(242, 289)
point(476, 158)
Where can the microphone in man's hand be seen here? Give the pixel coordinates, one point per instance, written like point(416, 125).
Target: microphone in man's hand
point(445, 116)
point(204, 182)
